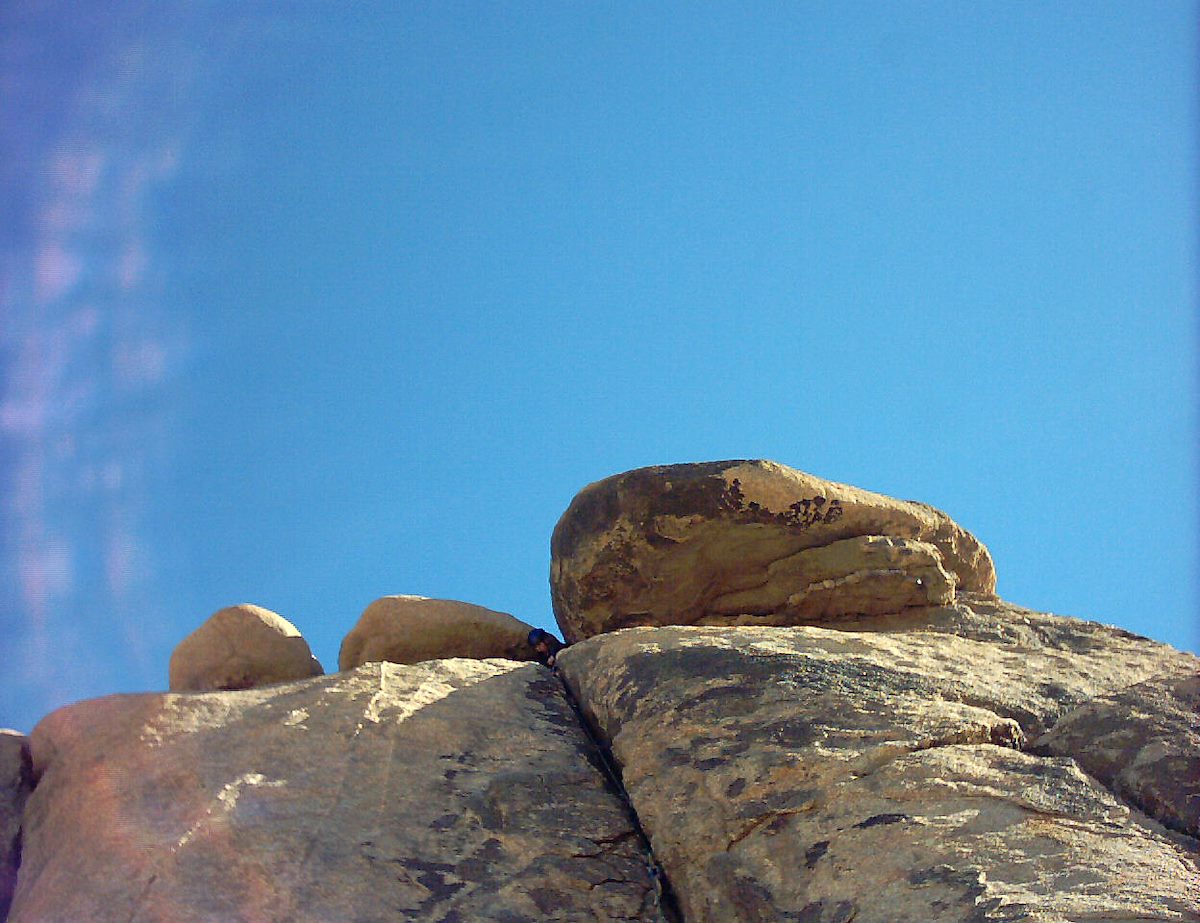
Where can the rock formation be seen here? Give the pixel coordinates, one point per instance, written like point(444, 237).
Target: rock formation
point(241, 647)
point(410, 629)
point(450, 790)
point(791, 700)
point(16, 781)
point(749, 542)
point(818, 774)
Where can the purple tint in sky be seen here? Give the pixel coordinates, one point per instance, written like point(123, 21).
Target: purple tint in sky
point(303, 305)
point(93, 128)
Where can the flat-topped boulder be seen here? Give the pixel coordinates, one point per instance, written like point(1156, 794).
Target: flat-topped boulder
point(410, 629)
point(241, 647)
point(750, 543)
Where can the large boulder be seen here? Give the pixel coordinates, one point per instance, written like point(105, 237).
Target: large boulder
point(812, 774)
point(16, 782)
point(1143, 742)
point(458, 790)
point(750, 542)
point(410, 629)
point(240, 647)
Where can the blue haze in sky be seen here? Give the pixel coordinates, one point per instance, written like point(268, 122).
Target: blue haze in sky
point(304, 304)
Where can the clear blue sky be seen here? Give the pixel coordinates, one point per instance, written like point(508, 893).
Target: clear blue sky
point(305, 306)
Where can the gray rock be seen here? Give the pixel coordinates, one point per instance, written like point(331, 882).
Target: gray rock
point(826, 775)
point(16, 782)
point(1143, 742)
point(750, 542)
point(455, 790)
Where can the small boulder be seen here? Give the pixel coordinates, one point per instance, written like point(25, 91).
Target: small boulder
point(241, 647)
point(750, 542)
point(412, 629)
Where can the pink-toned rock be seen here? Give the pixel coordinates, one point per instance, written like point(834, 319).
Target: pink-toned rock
point(16, 782)
point(410, 629)
point(451, 790)
point(241, 647)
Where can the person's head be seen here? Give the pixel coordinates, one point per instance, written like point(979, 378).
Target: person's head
point(539, 640)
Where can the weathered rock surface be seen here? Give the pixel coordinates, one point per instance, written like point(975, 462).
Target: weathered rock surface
point(812, 774)
point(16, 781)
point(241, 647)
point(750, 542)
point(410, 629)
point(870, 762)
point(1143, 742)
point(458, 790)
point(1033, 666)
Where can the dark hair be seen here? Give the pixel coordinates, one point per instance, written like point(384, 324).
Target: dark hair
point(537, 635)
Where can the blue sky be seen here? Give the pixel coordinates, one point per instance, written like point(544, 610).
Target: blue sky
point(304, 305)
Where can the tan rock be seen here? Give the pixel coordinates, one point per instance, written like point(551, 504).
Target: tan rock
point(750, 542)
point(241, 647)
point(410, 629)
point(1143, 742)
point(16, 782)
point(450, 790)
point(829, 775)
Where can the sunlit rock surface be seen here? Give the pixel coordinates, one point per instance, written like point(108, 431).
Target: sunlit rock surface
point(457, 790)
point(878, 775)
point(828, 717)
point(750, 542)
point(410, 629)
point(240, 647)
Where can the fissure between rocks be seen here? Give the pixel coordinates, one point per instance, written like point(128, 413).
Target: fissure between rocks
point(1110, 783)
point(664, 896)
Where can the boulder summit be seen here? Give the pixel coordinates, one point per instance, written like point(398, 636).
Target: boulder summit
point(786, 699)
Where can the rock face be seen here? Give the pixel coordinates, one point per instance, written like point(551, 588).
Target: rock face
point(461, 790)
point(410, 629)
point(828, 775)
point(241, 647)
point(16, 781)
point(1143, 742)
point(750, 542)
point(827, 717)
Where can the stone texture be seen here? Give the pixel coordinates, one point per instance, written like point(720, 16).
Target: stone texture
point(410, 629)
point(1033, 666)
point(1143, 742)
point(16, 781)
point(458, 790)
point(812, 774)
point(750, 542)
point(241, 647)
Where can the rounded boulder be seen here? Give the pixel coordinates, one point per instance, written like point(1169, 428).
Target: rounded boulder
point(413, 629)
point(241, 647)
